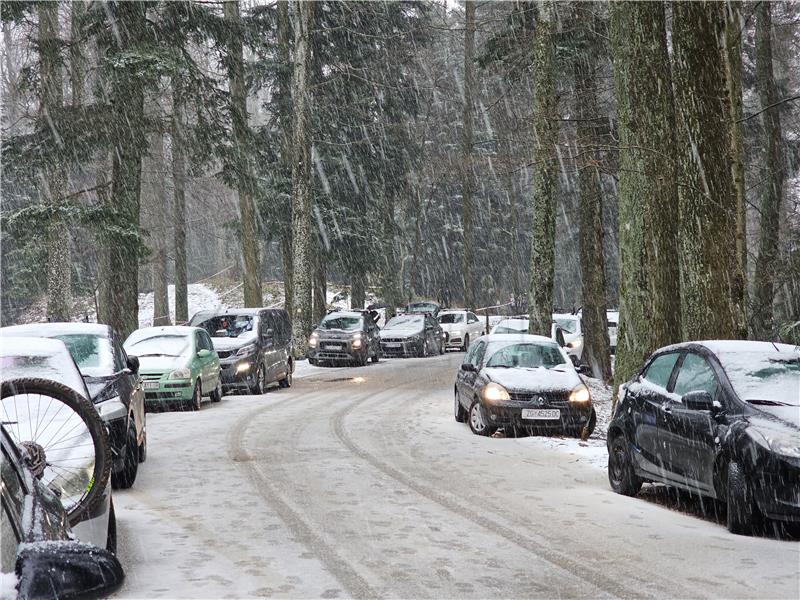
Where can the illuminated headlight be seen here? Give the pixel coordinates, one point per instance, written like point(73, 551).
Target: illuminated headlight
point(111, 409)
point(357, 343)
point(574, 344)
point(493, 392)
point(580, 395)
point(242, 367)
point(180, 374)
point(313, 340)
point(246, 350)
point(776, 441)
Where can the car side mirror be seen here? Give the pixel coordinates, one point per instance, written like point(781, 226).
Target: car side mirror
point(584, 369)
point(203, 353)
point(468, 367)
point(698, 400)
point(67, 570)
point(133, 364)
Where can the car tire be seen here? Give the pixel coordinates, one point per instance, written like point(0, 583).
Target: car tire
point(585, 431)
point(460, 411)
point(286, 382)
point(621, 473)
point(111, 535)
point(441, 347)
point(143, 448)
point(197, 397)
point(466, 343)
point(216, 395)
point(260, 385)
point(477, 420)
point(742, 510)
point(130, 467)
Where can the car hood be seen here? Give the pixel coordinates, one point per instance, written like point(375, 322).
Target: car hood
point(335, 334)
point(400, 332)
point(448, 327)
point(222, 344)
point(538, 380)
point(774, 416)
point(160, 364)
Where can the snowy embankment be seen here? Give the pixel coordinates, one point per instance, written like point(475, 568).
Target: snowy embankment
point(201, 297)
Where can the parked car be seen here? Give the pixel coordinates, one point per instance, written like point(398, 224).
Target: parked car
point(718, 418)
point(35, 539)
point(522, 381)
point(112, 379)
point(612, 316)
point(46, 405)
point(254, 346)
point(573, 335)
point(345, 336)
point(517, 325)
point(425, 306)
point(461, 327)
point(178, 365)
point(414, 334)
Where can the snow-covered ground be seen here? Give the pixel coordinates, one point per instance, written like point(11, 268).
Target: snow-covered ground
point(200, 296)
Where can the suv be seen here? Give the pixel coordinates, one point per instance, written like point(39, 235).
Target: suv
point(345, 336)
point(461, 326)
point(253, 345)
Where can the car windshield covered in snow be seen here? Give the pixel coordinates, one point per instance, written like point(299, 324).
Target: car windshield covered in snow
point(405, 322)
point(40, 358)
point(230, 326)
point(773, 377)
point(448, 318)
point(510, 328)
point(160, 345)
point(525, 356)
point(568, 324)
point(92, 353)
point(340, 321)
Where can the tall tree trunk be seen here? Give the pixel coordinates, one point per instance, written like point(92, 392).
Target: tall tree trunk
point(179, 204)
point(53, 180)
point(545, 131)
point(284, 96)
point(391, 292)
point(648, 215)
point(77, 69)
point(241, 134)
point(154, 193)
point(733, 76)
point(467, 143)
point(301, 178)
point(708, 261)
point(320, 304)
point(358, 291)
point(767, 259)
point(596, 346)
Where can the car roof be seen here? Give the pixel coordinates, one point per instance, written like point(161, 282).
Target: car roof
point(733, 346)
point(66, 372)
point(517, 337)
point(565, 316)
point(165, 330)
point(453, 310)
point(52, 329)
point(355, 313)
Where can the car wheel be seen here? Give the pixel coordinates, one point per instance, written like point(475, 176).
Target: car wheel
point(460, 411)
point(742, 510)
point(377, 356)
point(197, 397)
point(621, 473)
point(441, 347)
point(260, 386)
point(313, 362)
point(216, 395)
point(125, 478)
point(477, 420)
point(111, 535)
point(286, 382)
point(466, 343)
point(143, 448)
point(587, 430)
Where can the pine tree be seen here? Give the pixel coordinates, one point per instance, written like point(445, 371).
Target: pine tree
point(467, 175)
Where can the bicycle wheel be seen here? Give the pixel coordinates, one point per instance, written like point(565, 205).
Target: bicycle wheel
point(63, 438)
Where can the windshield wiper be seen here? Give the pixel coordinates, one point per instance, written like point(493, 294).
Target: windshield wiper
point(758, 402)
point(159, 354)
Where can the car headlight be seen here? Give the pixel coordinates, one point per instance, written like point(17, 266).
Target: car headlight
point(494, 392)
point(111, 409)
point(356, 343)
point(313, 340)
point(575, 344)
point(246, 350)
point(180, 374)
point(580, 395)
point(777, 441)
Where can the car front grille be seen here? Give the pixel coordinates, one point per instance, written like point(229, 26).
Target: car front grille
point(551, 399)
point(224, 353)
point(394, 340)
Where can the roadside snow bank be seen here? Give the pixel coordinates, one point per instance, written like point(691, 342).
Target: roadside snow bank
point(201, 297)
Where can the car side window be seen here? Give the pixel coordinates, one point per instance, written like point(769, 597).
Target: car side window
point(695, 375)
point(470, 357)
point(660, 370)
point(479, 352)
point(472, 318)
point(120, 358)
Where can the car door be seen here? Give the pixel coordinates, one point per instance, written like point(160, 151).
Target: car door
point(214, 366)
point(474, 326)
point(645, 397)
point(267, 329)
point(686, 436)
point(131, 383)
point(281, 341)
point(464, 379)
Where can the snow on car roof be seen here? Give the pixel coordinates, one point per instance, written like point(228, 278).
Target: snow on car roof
point(730, 346)
point(44, 358)
point(53, 329)
point(517, 337)
point(148, 332)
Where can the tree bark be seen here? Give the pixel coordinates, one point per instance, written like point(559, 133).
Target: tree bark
point(179, 204)
point(467, 143)
point(154, 193)
point(301, 179)
point(596, 346)
point(708, 261)
point(773, 174)
point(733, 75)
point(53, 179)
point(284, 95)
point(320, 304)
point(288, 270)
point(647, 190)
point(358, 291)
point(247, 209)
point(545, 130)
point(77, 69)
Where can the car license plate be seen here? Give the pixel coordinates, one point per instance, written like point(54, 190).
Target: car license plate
point(151, 385)
point(392, 344)
point(541, 414)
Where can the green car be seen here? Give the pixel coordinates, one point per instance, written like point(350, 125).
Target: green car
point(178, 365)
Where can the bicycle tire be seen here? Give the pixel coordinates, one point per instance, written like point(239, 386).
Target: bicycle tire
point(86, 411)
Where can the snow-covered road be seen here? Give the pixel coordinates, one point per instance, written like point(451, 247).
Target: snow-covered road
point(358, 482)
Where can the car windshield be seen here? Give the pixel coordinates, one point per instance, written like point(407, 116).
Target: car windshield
point(405, 322)
point(345, 322)
point(92, 353)
point(449, 318)
point(567, 324)
point(160, 345)
point(771, 377)
point(55, 367)
point(526, 356)
point(229, 326)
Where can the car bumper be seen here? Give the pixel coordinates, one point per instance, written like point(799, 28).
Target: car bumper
point(238, 373)
point(570, 417)
point(777, 491)
point(401, 349)
point(170, 391)
point(328, 354)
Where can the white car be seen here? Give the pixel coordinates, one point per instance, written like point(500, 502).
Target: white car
point(461, 326)
point(612, 316)
point(573, 334)
point(519, 325)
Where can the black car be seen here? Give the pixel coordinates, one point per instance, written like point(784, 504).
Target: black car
point(718, 418)
point(345, 336)
point(412, 334)
point(33, 515)
point(254, 346)
point(112, 379)
point(523, 382)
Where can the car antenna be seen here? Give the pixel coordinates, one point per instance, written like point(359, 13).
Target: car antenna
point(776, 346)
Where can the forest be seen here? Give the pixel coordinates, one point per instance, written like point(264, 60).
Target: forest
point(640, 156)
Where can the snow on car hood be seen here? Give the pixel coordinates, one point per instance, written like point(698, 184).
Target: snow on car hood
point(222, 344)
point(157, 364)
point(541, 379)
point(400, 332)
point(789, 415)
